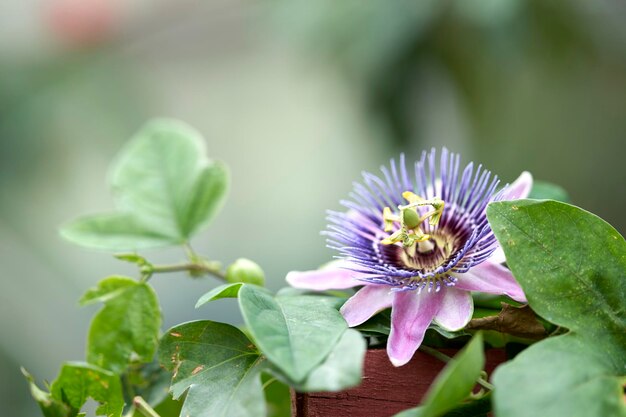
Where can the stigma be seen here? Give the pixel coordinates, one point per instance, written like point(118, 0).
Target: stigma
point(410, 233)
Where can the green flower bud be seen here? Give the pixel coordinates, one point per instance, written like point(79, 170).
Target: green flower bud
point(246, 271)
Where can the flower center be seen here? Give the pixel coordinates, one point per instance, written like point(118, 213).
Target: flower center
point(415, 249)
point(410, 232)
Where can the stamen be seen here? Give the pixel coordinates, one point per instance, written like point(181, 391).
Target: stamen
point(410, 221)
point(434, 283)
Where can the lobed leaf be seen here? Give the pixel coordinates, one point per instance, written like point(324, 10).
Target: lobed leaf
point(571, 265)
point(165, 187)
point(217, 366)
point(163, 177)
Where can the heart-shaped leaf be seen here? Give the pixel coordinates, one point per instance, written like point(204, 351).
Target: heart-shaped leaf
point(165, 187)
point(571, 265)
point(295, 333)
point(217, 366)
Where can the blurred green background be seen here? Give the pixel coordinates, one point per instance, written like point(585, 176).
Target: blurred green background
point(297, 97)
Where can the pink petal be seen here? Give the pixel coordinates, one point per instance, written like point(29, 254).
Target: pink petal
point(520, 188)
point(456, 309)
point(365, 303)
point(491, 278)
point(497, 257)
point(335, 277)
point(410, 316)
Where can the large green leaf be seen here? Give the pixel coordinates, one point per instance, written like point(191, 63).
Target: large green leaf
point(571, 265)
point(295, 333)
point(342, 368)
point(453, 384)
point(219, 368)
point(127, 327)
point(565, 376)
point(79, 381)
point(164, 177)
point(165, 188)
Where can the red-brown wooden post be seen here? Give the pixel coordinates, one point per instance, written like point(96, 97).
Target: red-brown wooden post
point(385, 389)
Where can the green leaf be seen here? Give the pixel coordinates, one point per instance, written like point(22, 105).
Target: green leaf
point(132, 258)
point(164, 178)
point(166, 189)
point(454, 383)
point(565, 376)
point(49, 406)
point(107, 289)
point(543, 190)
point(217, 366)
point(222, 291)
point(277, 396)
point(571, 265)
point(127, 327)
point(342, 368)
point(295, 333)
point(79, 381)
point(113, 232)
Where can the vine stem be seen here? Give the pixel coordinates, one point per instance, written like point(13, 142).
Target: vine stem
point(445, 358)
point(188, 267)
point(195, 265)
point(144, 408)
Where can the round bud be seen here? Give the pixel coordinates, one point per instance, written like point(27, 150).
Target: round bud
point(246, 271)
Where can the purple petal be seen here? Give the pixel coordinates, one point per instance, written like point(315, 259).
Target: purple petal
point(520, 188)
point(410, 316)
point(456, 309)
point(334, 278)
point(365, 303)
point(490, 278)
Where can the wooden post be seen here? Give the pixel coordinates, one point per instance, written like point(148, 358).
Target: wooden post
point(385, 389)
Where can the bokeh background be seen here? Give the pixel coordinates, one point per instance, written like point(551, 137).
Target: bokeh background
point(298, 98)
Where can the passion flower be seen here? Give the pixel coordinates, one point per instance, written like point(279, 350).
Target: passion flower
point(419, 243)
